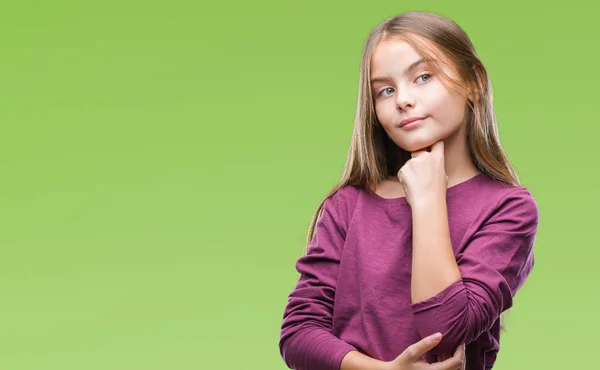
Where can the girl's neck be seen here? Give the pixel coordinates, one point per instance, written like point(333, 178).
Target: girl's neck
point(458, 164)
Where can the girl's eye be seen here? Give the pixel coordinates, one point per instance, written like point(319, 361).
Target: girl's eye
point(425, 75)
point(384, 90)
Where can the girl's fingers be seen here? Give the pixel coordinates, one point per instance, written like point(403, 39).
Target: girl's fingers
point(460, 351)
point(459, 354)
point(451, 362)
point(417, 153)
point(416, 351)
point(443, 357)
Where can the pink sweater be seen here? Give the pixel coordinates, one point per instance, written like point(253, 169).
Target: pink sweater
point(354, 286)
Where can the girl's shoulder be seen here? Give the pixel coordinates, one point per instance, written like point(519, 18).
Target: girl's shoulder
point(345, 198)
point(497, 190)
point(499, 197)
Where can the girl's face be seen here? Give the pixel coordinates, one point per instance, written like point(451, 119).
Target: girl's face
point(404, 88)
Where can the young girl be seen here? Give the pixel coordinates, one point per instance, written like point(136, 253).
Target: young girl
point(428, 231)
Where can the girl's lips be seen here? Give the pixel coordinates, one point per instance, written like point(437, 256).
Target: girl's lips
point(411, 124)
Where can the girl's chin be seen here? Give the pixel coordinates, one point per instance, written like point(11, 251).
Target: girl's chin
point(420, 141)
point(416, 147)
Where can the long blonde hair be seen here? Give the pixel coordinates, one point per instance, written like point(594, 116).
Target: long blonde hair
point(373, 156)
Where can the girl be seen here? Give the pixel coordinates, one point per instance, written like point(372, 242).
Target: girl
point(428, 231)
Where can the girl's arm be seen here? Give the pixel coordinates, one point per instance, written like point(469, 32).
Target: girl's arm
point(411, 358)
point(306, 341)
point(355, 360)
point(434, 266)
point(463, 297)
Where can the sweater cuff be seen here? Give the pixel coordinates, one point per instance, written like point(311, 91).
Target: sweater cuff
point(340, 353)
point(441, 313)
point(437, 300)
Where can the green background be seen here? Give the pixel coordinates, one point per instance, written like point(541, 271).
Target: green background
point(161, 162)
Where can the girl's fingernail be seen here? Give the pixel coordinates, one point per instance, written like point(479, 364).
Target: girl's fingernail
point(437, 336)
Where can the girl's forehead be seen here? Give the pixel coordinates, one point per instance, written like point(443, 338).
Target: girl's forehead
point(397, 53)
point(399, 57)
point(393, 48)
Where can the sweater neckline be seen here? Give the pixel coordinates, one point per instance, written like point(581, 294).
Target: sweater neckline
point(452, 189)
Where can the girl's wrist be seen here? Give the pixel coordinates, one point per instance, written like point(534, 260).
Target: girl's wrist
point(355, 360)
point(428, 202)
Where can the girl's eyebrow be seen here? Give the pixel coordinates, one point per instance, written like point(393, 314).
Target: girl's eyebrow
point(414, 65)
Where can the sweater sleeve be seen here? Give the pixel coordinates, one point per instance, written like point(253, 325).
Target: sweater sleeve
point(494, 265)
point(306, 340)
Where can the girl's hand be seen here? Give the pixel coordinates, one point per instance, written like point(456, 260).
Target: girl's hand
point(442, 358)
point(424, 175)
point(412, 357)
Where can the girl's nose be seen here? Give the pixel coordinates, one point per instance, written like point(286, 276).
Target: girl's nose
point(404, 101)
